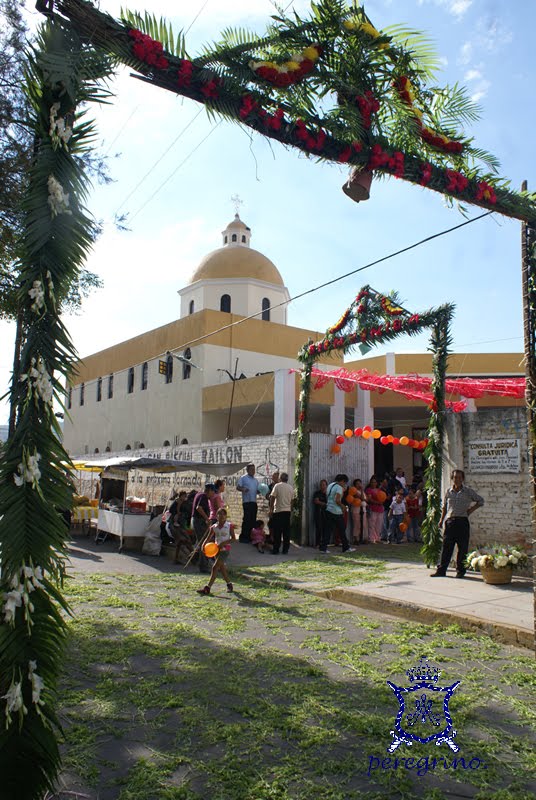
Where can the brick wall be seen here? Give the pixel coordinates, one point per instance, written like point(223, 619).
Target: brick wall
point(506, 516)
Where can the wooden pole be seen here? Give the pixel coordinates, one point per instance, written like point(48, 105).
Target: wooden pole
point(528, 275)
point(231, 403)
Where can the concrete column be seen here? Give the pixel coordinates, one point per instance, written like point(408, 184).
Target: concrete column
point(471, 405)
point(336, 411)
point(284, 401)
point(390, 364)
point(364, 415)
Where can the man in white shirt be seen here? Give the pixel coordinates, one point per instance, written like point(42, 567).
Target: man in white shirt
point(281, 499)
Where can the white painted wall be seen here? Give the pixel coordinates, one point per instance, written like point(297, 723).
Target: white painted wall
point(246, 297)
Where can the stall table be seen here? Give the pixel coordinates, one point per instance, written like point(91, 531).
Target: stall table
point(82, 515)
point(122, 525)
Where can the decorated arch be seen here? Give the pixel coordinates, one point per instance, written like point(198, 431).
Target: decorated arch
point(371, 319)
point(330, 85)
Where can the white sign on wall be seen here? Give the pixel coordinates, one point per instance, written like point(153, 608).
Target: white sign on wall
point(499, 455)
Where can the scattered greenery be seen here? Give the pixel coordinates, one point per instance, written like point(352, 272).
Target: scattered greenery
point(273, 694)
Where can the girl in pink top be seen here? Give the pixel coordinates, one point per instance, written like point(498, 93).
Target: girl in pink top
point(258, 535)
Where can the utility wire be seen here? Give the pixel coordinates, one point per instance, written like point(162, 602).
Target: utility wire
point(190, 154)
point(158, 160)
point(339, 278)
point(196, 16)
point(315, 288)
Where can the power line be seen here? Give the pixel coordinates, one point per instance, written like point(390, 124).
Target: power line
point(121, 129)
point(190, 154)
point(315, 288)
point(339, 278)
point(158, 160)
point(196, 16)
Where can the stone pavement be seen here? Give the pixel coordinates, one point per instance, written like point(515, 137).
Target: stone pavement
point(504, 612)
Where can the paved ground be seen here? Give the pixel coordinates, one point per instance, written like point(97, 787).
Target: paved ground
point(405, 589)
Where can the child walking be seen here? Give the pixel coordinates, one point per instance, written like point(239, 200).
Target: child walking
point(258, 535)
point(396, 515)
point(223, 534)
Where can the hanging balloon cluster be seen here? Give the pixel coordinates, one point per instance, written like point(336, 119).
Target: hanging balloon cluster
point(368, 433)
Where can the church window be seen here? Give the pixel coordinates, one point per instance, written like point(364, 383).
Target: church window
point(144, 375)
point(70, 398)
point(225, 240)
point(99, 390)
point(130, 382)
point(128, 447)
point(184, 441)
point(110, 386)
point(225, 303)
point(108, 449)
point(191, 307)
point(233, 238)
point(266, 309)
point(82, 393)
point(169, 369)
point(142, 446)
point(186, 368)
point(243, 238)
point(166, 443)
point(96, 450)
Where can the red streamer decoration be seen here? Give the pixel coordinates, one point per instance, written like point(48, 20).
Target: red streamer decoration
point(417, 387)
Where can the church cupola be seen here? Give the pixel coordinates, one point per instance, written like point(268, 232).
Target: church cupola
point(236, 234)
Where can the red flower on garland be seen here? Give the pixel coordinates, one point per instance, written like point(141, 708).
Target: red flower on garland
point(211, 89)
point(413, 320)
point(367, 105)
point(396, 163)
point(148, 50)
point(485, 191)
point(247, 106)
point(426, 174)
point(301, 417)
point(397, 325)
point(312, 349)
point(456, 182)
point(184, 75)
point(378, 158)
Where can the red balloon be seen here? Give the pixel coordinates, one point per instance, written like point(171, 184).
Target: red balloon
point(396, 440)
point(358, 431)
point(367, 428)
point(412, 443)
point(340, 439)
point(384, 440)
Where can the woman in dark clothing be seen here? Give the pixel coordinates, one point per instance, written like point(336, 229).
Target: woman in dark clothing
point(320, 501)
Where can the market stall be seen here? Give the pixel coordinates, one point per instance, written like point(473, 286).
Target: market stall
point(124, 519)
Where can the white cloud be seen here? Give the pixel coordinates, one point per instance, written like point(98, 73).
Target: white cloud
point(493, 34)
point(472, 75)
point(466, 52)
point(458, 8)
point(481, 85)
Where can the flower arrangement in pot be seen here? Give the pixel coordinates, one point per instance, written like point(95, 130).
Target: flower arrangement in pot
point(497, 562)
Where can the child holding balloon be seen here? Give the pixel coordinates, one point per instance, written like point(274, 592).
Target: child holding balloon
point(218, 545)
point(397, 513)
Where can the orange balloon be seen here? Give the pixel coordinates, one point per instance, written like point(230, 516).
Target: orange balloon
point(367, 434)
point(336, 448)
point(403, 527)
point(352, 491)
point(404, 440)
point(356, 501)
point(348, 433)
point(381, 497)
point(376, 433)
point(211, 549)
point(390, 438)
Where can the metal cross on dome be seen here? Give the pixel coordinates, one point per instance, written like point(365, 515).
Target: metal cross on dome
point(237, 202)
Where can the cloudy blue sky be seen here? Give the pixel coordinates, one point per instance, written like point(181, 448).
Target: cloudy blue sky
point(176, 184)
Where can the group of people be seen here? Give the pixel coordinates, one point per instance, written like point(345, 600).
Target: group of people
point(385, 510)
point(200, 518)
point(280, 497)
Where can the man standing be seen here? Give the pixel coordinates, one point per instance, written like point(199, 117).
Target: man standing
point(460, 502)
point(335, 515)
point(281, 498)
point(248, 486)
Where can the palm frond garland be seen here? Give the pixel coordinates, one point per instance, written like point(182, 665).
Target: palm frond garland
point(384, 116)
point(374, 318)
point(62, 72)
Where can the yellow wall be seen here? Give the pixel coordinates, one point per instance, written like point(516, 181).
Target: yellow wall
point(254, 335)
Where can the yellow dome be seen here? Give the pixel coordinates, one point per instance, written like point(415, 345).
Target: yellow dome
point(237, 262)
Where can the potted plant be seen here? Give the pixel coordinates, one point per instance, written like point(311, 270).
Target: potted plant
point(497, 562)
